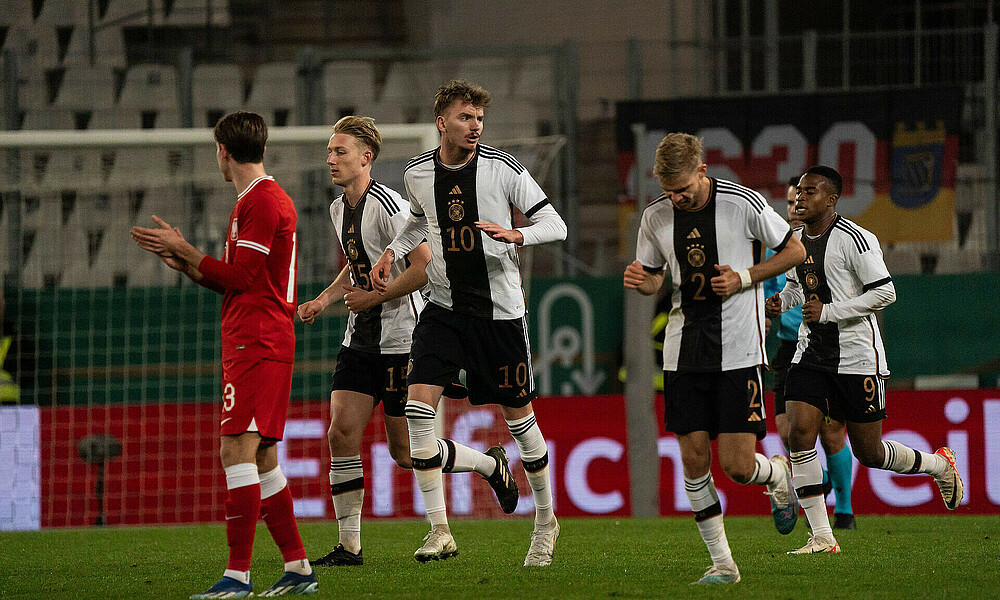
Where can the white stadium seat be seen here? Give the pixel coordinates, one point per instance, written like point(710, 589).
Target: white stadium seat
point(86, 88)
point(215, 88)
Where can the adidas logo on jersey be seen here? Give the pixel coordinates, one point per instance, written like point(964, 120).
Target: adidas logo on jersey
point(694, 234)
point(754, 417)
point(350, 229)
point(455, 191)
point(809, 260)
point(522, 394)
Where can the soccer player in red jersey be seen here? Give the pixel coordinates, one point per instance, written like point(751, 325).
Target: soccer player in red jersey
point(257, 280)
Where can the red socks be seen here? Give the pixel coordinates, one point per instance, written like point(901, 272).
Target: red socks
point(276, 510)
point(242, 509)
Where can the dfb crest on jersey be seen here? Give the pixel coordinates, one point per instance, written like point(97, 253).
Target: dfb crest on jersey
point(812, 280)
point(352, 250)
point(233, 235)
point(696, 255)
point(917, 161)
point(456, 212)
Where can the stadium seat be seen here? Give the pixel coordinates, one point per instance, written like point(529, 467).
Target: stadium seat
point(408, 93)
point(273, 94)
point(348, 88)
point(45, 259)
point(953, 260)
point(217, 89)
point(37, 48)
point(74, 168)
point(47, 118)
point(900, 259)
point(62, 12)
point(87, 88)
point(150, 87)
point(13, 13)
point(494, 74)
point(533, 80)
point(109, 47)
point(130, 12)
point(510, 118)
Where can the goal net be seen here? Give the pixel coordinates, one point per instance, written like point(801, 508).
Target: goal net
point(111, 405)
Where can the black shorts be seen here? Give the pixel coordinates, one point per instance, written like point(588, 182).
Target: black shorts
point(494, 354)
point(381, 376)
point(780, 365)
point(716, 402)
point(855, 398)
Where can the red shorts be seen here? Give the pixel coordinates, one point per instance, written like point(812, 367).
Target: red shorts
point(255, 397)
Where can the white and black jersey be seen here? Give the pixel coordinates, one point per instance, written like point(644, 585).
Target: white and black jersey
point(470, 272)
point(844, 269)
point(707, 332)
point(364, 231)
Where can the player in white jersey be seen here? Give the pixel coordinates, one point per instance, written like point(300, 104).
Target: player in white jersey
point(460, 202)
point(372, 363)
point(839, 369)
point(708, 234)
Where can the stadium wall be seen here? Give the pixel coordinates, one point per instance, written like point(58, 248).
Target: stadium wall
point(168, 470)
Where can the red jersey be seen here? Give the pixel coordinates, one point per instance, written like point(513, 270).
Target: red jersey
point(257, 275)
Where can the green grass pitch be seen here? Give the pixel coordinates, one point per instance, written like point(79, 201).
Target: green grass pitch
point(887, 557)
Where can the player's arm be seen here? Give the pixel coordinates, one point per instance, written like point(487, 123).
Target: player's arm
point(767, 227)
point(642, 279)
point(259, 222)
point(525, 193)
point(411, 235)
point(546, 226)
point(410, 280)
point(877, 289)
point(646, 273)
point(308, 311)
point(169, 244)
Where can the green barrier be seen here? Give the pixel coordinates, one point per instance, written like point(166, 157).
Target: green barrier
point(107, 346)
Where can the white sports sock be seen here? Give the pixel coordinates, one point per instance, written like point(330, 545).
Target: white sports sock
point(456, 458)
point(764, 472)
point(426, 460)
point(906, 460)
point(707, 510)
point(807, 478)
point(302, 567)
point(347, 486)
point(535, 458)
point(713, 533)
point(241, 475)
point(272, 482)
point(241, 576)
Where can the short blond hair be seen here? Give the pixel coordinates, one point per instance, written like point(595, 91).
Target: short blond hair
point(460, 90)
point(362, 129)
point(678, 154)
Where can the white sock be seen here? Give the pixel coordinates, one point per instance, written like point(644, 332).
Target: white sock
point(241, 475)
point(535, 458)
point(426, 460)
point(764, 472)
point(272, 482)
point(241, 576)
point(906, 460)
point(347, 486)
point(707, 510)
point(807, 478)
point(301, 566)
point(456, 458)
